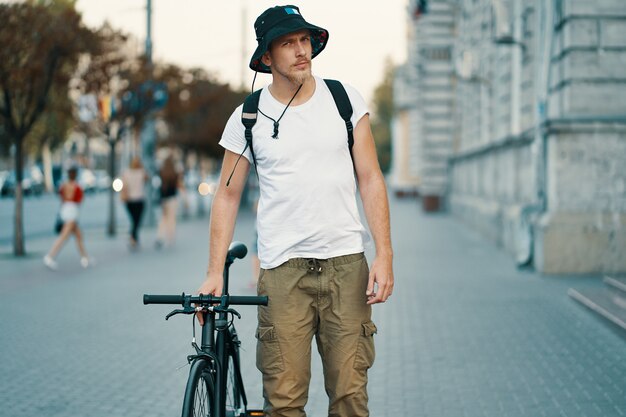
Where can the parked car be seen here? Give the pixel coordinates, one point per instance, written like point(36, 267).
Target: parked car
point(3, 177)
point(87, 180)
point(103, 181)
point(32, 182)
point(8, 184)
point(35, 175)
point(57, 176)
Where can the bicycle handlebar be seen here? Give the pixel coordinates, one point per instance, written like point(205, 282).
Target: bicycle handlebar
point(204, 299)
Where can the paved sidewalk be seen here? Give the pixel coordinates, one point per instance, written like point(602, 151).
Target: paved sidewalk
point(465, 333)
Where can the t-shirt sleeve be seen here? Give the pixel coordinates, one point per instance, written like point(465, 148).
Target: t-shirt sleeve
point(359, 107)
point(233, 137)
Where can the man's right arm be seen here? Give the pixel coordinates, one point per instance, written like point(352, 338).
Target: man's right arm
point(223, 215)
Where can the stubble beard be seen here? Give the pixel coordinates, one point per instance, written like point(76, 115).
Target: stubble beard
point(292, 74)
point(300, 77)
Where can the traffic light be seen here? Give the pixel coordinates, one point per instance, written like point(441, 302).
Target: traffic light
point(147, 97)
point(153, 95)
point(130, 103)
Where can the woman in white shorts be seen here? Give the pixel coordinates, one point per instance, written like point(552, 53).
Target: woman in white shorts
point(71, 196)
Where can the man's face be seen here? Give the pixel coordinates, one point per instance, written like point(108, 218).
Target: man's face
point(289, 56)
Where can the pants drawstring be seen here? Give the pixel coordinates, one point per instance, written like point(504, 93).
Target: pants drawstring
point(314, 265)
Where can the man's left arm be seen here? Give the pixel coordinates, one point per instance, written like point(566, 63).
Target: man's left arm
point(374, 196)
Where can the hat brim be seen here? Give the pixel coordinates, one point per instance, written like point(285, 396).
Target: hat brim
point(319, 39)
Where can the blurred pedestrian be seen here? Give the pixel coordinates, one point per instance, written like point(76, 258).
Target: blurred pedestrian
point(171, 184)
point(71, 196)
point(133, 195)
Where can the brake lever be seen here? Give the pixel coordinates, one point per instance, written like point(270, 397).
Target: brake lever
point(186, 310)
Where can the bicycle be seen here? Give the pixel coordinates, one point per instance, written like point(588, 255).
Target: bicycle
point(214, 387)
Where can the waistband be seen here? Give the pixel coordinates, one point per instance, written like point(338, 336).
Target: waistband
point(337, 260)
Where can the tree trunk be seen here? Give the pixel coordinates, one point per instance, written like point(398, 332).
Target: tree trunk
point(111, 229)
point(46, 156)
point(18, 224)
point(185, 195)
point(199, 198)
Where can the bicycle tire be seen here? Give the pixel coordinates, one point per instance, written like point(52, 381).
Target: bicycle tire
point(199, 393)
point(233, 398)
point(235, 402)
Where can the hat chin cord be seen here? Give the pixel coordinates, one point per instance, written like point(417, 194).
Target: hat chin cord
point(253, 81)
point(276, 122)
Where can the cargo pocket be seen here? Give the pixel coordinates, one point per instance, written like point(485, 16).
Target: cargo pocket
point(365, 352)
point(269, 359)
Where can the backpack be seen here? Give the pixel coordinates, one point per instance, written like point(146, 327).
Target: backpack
point(342, 101)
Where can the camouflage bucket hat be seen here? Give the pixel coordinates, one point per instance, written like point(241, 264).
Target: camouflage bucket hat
point(278, 21)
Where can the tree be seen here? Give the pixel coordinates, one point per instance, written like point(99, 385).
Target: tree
point(41, 44)
point(381, 123)
point(197, 111)
point(50, 130)
point(52, 126)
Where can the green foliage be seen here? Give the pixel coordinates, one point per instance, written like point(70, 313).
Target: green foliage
point(40, 48)
point(53, 125)
point(197, 111)
point(381, 122)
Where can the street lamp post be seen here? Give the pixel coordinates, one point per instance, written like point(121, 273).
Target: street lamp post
point(112, 139)
point(148, 132)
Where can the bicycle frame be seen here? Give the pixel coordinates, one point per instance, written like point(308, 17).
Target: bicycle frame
point(222, 346)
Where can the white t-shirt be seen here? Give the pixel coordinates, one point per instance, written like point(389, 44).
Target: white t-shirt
point(134, 180)
point(307, 205)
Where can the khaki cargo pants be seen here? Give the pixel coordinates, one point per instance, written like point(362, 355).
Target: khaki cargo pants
point(325, 299)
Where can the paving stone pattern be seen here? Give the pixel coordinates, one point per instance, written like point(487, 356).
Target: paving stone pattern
point(465, 333)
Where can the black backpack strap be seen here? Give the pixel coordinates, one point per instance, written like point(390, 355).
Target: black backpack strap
point(345, 108)
point(248, 118)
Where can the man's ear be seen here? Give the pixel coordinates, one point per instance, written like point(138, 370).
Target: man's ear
point(266, 60)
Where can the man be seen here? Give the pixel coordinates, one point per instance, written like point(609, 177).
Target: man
point(310, 236)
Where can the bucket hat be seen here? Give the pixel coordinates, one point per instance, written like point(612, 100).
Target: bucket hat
point(278, 21)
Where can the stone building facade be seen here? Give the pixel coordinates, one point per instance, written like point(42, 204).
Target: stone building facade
point(538, 160)
point(424, 98)
point(403, 176)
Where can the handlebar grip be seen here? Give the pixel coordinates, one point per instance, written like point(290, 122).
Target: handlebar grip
point(248, 300)
point(237, 250)
point(162, 299)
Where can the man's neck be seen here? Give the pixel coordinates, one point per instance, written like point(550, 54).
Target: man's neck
point(283, 90)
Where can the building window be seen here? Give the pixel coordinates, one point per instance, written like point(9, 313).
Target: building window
point(437, 54)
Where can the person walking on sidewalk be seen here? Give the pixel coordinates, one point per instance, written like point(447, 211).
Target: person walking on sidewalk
point(133, 196)
point(71, 197)
point(310, 236)
point(171, 183)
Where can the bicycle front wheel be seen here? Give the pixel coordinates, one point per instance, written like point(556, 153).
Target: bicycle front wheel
point(234, 406)
point(199, 394)
point(236, 402)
